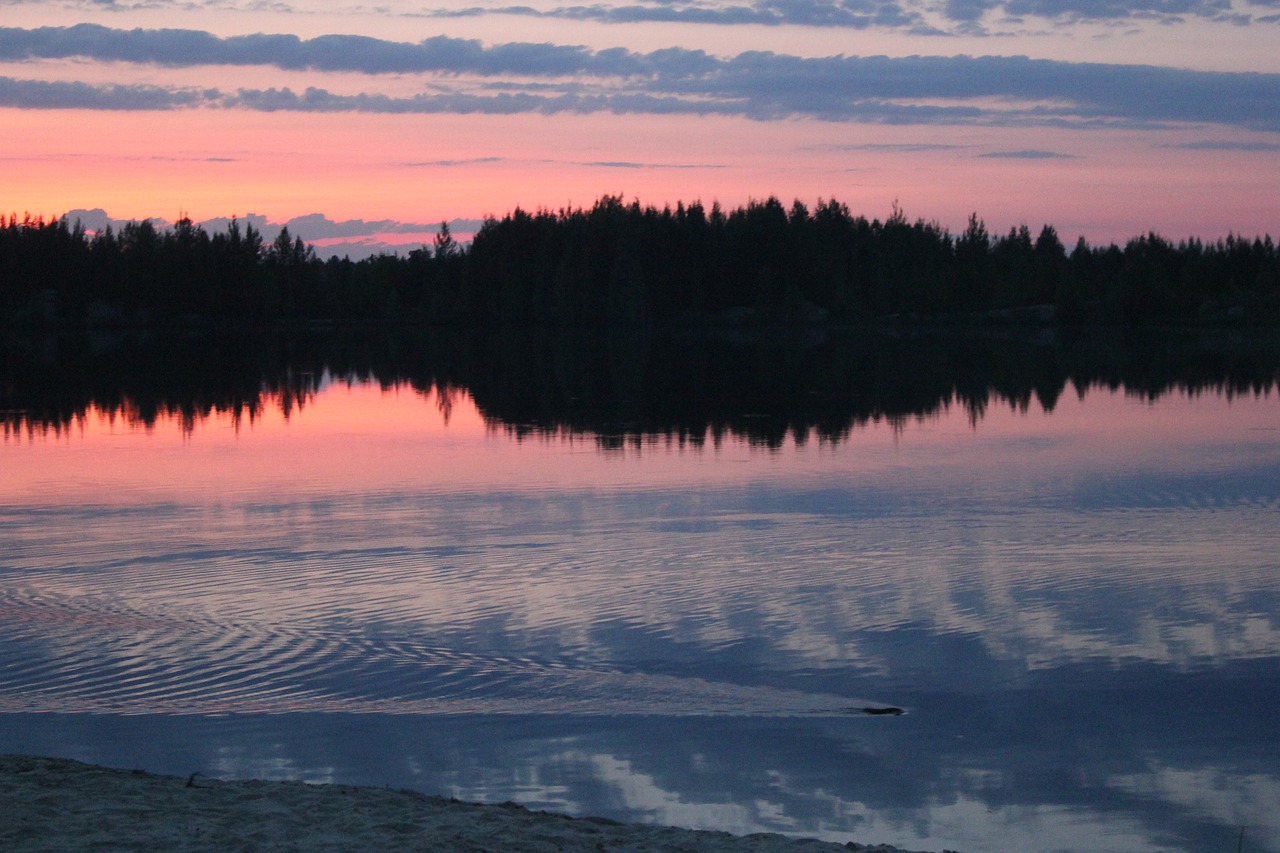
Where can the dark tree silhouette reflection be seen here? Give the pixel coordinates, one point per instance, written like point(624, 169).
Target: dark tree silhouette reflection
point(619, 389)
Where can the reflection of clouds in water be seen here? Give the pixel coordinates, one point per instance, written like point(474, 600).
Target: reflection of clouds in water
point(1246, 800)
point(968, 824)
point(963, 822)
point(641, 792)
point(586, 579)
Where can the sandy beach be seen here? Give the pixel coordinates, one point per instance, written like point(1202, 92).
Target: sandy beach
point(65, 805)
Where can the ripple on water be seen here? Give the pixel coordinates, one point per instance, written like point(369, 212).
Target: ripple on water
point(432, 607)
point(91, 655)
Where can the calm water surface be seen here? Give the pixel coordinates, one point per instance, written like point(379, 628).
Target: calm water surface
point(1077, 609)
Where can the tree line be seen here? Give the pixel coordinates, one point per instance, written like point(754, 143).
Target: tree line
point(620, 263)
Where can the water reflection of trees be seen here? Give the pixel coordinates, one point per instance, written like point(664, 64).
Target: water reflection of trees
point(621, 389)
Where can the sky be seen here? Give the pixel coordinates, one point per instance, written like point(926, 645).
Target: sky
point(362, 127)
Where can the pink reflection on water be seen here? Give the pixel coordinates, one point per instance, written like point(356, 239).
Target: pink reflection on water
point(363, 438)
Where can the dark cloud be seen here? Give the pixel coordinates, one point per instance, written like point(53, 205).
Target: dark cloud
point(317, 100)
point(873, 88)
point(1117, 8)
point(970, 11)
point(441, 54)
point(856, 14)
point(41, 94)
point(965, 15)
point(545, 78)
point(92, 220)
point(317, 226)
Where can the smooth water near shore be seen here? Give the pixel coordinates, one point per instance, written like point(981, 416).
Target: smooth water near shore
point(1077, 609)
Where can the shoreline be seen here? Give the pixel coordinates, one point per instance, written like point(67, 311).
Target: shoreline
point(67, 805)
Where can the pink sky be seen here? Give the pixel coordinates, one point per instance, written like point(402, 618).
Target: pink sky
point(1129, 119)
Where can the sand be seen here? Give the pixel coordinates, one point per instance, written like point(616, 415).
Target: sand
point(64, 805)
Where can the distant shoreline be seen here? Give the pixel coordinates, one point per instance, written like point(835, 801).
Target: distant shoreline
point(621, 265)
point(66, 805)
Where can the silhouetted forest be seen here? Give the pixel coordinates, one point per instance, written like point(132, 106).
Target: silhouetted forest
point(621, 264)
point(620, 388)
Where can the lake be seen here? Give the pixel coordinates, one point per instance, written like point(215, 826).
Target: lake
point(604, 585)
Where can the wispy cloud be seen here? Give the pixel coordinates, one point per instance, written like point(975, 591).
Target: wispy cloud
point(602, 164)
point(449, 164)
point(894, 147)
point(470, 77)
point(625, 164)
point(1027, 154)
point(1223, 145)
